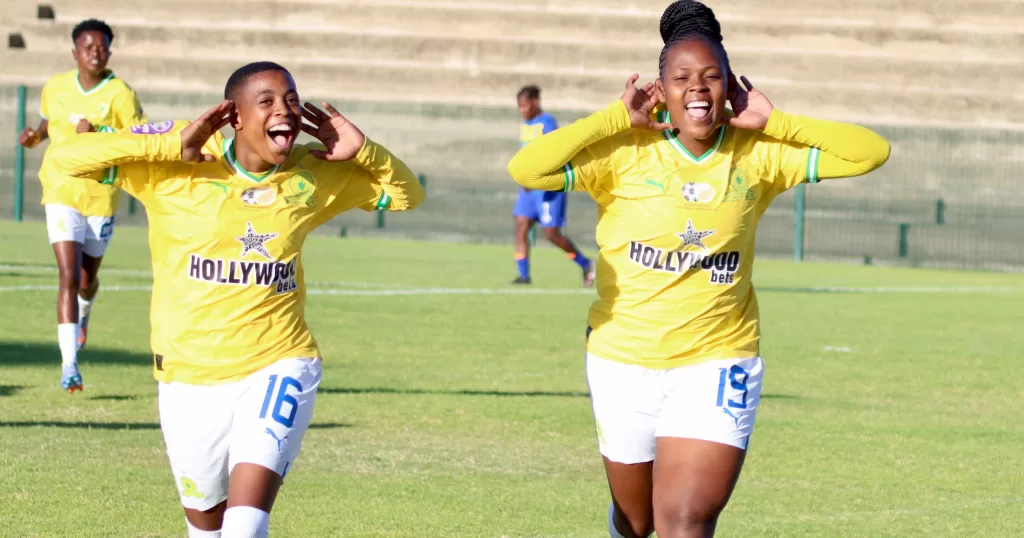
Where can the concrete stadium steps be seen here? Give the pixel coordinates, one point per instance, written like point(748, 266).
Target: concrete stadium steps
point(985, 13)
point(410, 81)
point(487, 20)
point(583, 56)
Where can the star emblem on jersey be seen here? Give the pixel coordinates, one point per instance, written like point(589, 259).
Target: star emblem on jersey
point(254, 242)
point(693, 237)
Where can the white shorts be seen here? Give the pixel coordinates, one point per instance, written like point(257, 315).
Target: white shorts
point(65, 223)
point(713, 401)
point(260, 419)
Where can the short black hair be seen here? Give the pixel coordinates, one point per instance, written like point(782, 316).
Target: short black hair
point(242, 74)
point(92, 25)
point(530, 92)
point(686, 20)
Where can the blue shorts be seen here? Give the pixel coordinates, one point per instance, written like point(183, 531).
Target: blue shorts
point(547, 208)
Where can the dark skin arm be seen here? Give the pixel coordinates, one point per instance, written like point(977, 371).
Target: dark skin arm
point(31, 138)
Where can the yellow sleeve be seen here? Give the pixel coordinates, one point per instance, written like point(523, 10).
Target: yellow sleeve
point(120, 158)
point(44, 98)
point(372, 180)
point(561, 160)
point(812, 150)
point(127, 110)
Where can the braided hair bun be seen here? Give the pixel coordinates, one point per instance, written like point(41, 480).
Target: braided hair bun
point(689, 19)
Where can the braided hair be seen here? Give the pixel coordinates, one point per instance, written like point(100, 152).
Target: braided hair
point(687, 20)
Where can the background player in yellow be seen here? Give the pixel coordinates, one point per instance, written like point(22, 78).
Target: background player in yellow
point(237, 365)
point(80, 215)
point(673, 359)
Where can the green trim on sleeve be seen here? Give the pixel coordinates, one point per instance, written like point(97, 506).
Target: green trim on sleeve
point(383, 202)
point(110, 177)
point(570, 177)
point(812, 165)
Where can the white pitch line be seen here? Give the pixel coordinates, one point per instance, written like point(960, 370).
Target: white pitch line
point(340, 291)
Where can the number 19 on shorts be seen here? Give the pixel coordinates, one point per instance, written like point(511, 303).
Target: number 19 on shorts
point(279, 394)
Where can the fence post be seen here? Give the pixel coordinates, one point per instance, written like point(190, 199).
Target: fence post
point(904, 241)
point(19, 157)
point(423, 181)
point(131, 205)
point(380, 218)
point(940, 211)
point(798, 224)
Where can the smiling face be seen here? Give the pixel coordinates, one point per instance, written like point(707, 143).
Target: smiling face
point(268, 115)
point(92, 52)
point(694, 87)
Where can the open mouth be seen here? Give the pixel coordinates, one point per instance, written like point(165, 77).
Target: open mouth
point(282, 136)
point(699, 110)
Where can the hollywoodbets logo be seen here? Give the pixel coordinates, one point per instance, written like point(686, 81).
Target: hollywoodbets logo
point(722, 265)
point(279, 275)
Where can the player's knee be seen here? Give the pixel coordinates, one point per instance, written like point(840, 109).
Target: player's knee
point(552, 234)
point(621, 525)
point(674, 519)
point(68, 278)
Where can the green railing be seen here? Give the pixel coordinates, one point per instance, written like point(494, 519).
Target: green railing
point(947, 197)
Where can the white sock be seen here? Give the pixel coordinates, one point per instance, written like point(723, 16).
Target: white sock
point(67, 339)
point(199, 533)
point(84, 307)
point(245, 522)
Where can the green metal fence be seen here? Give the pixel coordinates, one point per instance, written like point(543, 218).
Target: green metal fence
point(947, 198)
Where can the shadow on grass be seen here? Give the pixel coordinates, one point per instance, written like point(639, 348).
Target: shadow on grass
point(10, 390)
point(36, 354)
point(125, 425)
point(497, 393)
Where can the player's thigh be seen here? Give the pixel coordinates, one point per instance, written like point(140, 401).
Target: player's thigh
point(526, 206)
point(552, 209)
point(196, 422)
point(703, 433)
point(64, 223)
point(99, 231)
point(274, 413)
point(627, 401)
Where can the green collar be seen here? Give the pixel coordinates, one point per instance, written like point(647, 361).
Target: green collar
point(670, 135)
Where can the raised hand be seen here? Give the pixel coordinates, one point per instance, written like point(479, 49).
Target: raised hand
point(752, 107)
point(29, 138)
point(343, 139)
point(194, 137)
point(640, 103)
point(83, 126)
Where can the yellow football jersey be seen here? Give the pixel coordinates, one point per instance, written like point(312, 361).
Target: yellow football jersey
point(675, 231)
point(111, 105)
point(228, 294)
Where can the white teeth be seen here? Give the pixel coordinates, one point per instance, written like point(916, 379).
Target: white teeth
point(281, 129)
point(698, 104)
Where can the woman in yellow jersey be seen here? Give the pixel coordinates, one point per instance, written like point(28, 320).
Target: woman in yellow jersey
point(237, 365)
point(672, 356)
point(80, 216)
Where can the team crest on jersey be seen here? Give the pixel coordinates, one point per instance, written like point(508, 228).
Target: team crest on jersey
point(261, 196)
point(278, 275)
point(698, 192)
point(153, 128)
point(103, 108)
point(739, 187)
point(299, 189)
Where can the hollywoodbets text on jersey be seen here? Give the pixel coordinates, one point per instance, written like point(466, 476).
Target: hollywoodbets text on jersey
point(242, 273)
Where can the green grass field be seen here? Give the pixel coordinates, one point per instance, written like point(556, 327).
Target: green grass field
point(889, 409)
